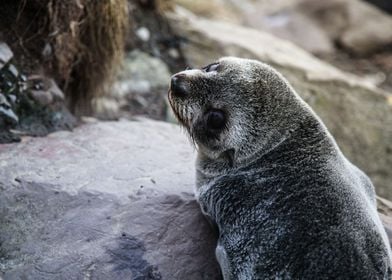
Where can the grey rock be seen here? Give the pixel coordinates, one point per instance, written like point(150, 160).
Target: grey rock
point(218, 9)
point(141, 68)
point(44, 90)
point(111, 200)
point(315, 25)
point(47, 51)
point(13, 70)
point(140, 89)
point(291, 24)
point(5, 54)
point(281, 18)
point(265, 7)
point(42, 97)
point(359, 27)
point(108, 201)
point(4, 102)
point(369, 29)
point(12, 98)
point(7, 115)
point(356, 112)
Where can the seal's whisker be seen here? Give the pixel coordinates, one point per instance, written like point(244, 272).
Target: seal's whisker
point(187, 116)
point(183, 113)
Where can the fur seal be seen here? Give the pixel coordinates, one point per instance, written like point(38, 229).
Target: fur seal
point(287, 203)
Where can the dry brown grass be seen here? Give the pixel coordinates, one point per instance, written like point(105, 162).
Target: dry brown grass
point(91, 49)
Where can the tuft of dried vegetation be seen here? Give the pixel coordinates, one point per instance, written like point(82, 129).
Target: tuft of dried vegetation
point(102, 36)
point(78, 42)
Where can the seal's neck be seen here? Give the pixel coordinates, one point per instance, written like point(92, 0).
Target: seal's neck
point(307, 139)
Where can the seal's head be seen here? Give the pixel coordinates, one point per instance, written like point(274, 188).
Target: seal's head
point(231, 105)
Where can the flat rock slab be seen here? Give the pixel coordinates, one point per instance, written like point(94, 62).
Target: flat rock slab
point(111, 200)
point(108, 201)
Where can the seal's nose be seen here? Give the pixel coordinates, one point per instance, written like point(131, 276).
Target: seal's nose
point(178, 85)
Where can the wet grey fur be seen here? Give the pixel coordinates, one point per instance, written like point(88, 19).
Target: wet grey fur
point(287, 202)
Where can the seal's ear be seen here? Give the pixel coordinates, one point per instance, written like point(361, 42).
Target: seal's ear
point(229, 155)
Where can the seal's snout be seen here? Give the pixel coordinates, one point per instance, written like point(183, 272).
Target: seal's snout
point(179, 85)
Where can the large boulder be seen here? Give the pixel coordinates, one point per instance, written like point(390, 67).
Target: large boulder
point(315, 25)
point(284, 19)
point(357, 26)
point(108, 201)
point(357, 113)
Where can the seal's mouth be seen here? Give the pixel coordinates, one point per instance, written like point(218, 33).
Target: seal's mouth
point(181, 111)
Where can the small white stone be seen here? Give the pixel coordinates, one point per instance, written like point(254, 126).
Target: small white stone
point(174, 53)
point(13, 70)
point(47, 51)
point(5, 54)
point(143, 33)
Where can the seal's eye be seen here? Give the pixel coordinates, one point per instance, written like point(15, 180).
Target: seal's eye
point(211, 67)
point(216, 119)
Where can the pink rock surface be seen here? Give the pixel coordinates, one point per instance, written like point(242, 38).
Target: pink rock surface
point(110, 200)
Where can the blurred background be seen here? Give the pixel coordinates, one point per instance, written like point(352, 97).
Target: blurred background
point(63, 63)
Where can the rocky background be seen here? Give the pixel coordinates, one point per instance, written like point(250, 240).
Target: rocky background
point(104, 199)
